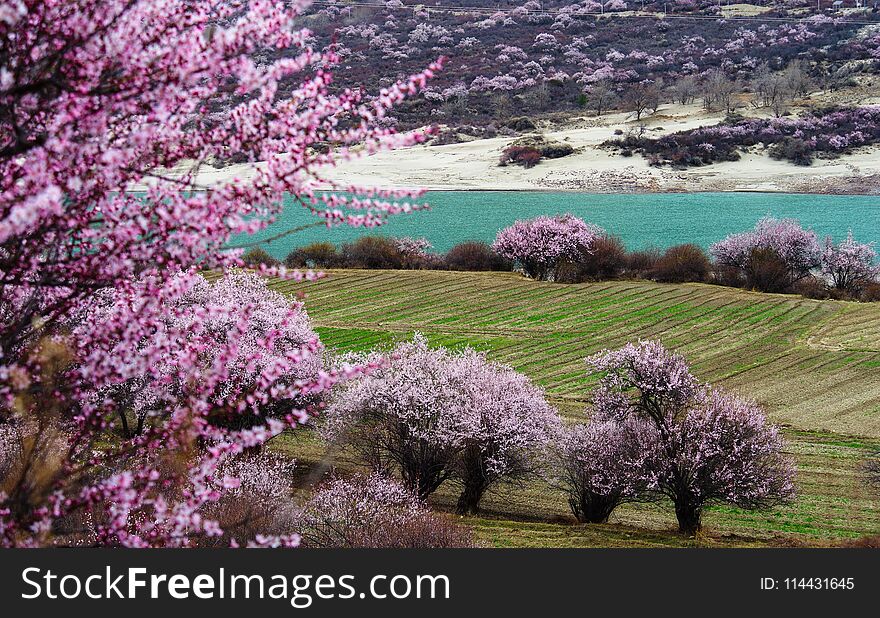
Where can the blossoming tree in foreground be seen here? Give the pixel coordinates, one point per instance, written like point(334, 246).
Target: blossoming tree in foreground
point(709, 446)
point(103, 319)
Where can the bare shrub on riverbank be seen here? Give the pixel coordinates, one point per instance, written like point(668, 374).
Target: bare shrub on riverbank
point(475, 256)
point(681, 264)
point(257, 256)
point(315, 255)
point(604, 259)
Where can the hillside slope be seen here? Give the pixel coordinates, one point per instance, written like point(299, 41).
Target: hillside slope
point(815, 365)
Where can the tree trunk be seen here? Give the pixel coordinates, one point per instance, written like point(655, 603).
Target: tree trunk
point(469, 501)
point(593, 509)
point(689, 519)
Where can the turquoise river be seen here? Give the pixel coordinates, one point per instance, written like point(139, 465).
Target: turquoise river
point(640, 220)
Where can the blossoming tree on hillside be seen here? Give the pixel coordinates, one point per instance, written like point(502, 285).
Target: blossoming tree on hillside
point(710, 446)
point(773, 256)
point(849, 264)
point(437, 414)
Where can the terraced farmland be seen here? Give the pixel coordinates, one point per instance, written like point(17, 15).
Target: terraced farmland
point(815, 365)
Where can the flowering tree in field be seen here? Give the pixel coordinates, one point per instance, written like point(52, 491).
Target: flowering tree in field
point(849, 264)
point(374, 511)
point(103, 319)
point(602, 464)
point(539, 245)
point(773, 256)
point(270, 344)
point(504, 430)
point(436, 414)
point(711, 446)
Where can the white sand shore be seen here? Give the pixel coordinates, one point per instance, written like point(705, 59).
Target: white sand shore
point(474, 165)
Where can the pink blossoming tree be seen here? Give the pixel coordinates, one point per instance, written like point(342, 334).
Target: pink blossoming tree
point(849, 264)
point(541, 244)
point(271, 342)
point(711, 446)
point(775, 245)
point(437, 414)
point(101, 96)
point(602, 464)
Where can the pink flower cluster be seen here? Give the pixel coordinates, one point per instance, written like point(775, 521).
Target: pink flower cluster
point(412, 247)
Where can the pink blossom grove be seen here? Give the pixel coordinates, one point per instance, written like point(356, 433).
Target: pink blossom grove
point(435, 414)
point(712, 447)
point(541, 244)
point(102, 314)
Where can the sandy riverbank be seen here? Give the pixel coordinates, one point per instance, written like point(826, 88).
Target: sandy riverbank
point(474, 165)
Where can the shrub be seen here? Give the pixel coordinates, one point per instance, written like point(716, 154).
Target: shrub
point(812, 287)
point(773, 256)
point(374, 511)
point(373, 252)
point(521, 124)
point(315, 255)
point(546, 149)
point(870, 293)
point(792, 149)
point(642, 263)
point(605, 259)
point(767, 271)
point(730, 276)
point(527, 156)
point(541, 244)
point(256, 256)
point(435, 414)
point(555, 150)
point(849, 265)
point(710, 446)
point(682, 263)
point(601, 465)
point(475, 256)
point(258, 500)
